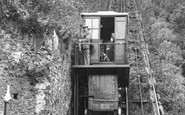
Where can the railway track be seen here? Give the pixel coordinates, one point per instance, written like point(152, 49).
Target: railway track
point(146, 54)
point(138, 46)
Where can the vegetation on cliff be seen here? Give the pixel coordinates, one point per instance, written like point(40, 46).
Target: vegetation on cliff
point(164, 32)
point(27, 48)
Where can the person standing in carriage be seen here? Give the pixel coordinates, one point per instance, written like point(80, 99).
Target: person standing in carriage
point(85, 40)
point(110, 47)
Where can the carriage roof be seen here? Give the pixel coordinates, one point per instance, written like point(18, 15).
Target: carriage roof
point(104, 13)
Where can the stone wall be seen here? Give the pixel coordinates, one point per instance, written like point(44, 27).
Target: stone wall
point(51, 96)
point(23, 96)
point(58, 95)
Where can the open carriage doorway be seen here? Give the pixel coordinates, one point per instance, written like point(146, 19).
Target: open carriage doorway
point(107, 28)
point(107, 48)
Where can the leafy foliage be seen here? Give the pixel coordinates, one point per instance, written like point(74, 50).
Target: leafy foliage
point(164, 29)
point(20, 61)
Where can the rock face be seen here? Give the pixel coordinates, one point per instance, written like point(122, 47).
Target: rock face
point(42, 98)
point(23, 99)
point(50, 96)
point(58, 94)
point(46, 93)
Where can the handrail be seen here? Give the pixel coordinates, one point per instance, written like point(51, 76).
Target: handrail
point(100, 52)
point(104, 100)
point(88, 43)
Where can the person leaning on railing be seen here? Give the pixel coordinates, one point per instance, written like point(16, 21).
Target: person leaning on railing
point(110, 47)
point(112, 39)
point(85, 40)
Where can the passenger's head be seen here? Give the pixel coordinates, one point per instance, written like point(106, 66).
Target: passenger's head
point(113, 35)
point(85, 27)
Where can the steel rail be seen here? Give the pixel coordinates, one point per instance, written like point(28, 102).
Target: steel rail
point(146, 54)
point(139, 78)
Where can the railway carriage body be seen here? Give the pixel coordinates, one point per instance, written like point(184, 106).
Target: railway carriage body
point(101, 25)
point(100, 87)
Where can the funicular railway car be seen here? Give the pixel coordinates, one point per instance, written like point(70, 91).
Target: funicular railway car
point(101, 86)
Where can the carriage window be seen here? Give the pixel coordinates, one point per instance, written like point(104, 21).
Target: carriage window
point(88, 22)
point(95, 34)
point(93, 24)
point(120, 27)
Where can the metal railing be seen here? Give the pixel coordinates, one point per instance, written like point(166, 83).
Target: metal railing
point(100, 53)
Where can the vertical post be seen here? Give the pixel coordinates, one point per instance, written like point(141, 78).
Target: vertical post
point(126, 54)
point(126, 89)
point(74, 92)
point(121, 5)
point(141, 97)
point(6, 100)
point(84, 98)
point(75, 51)
point(77, 93)
point(101, 3)
point(124, 5)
